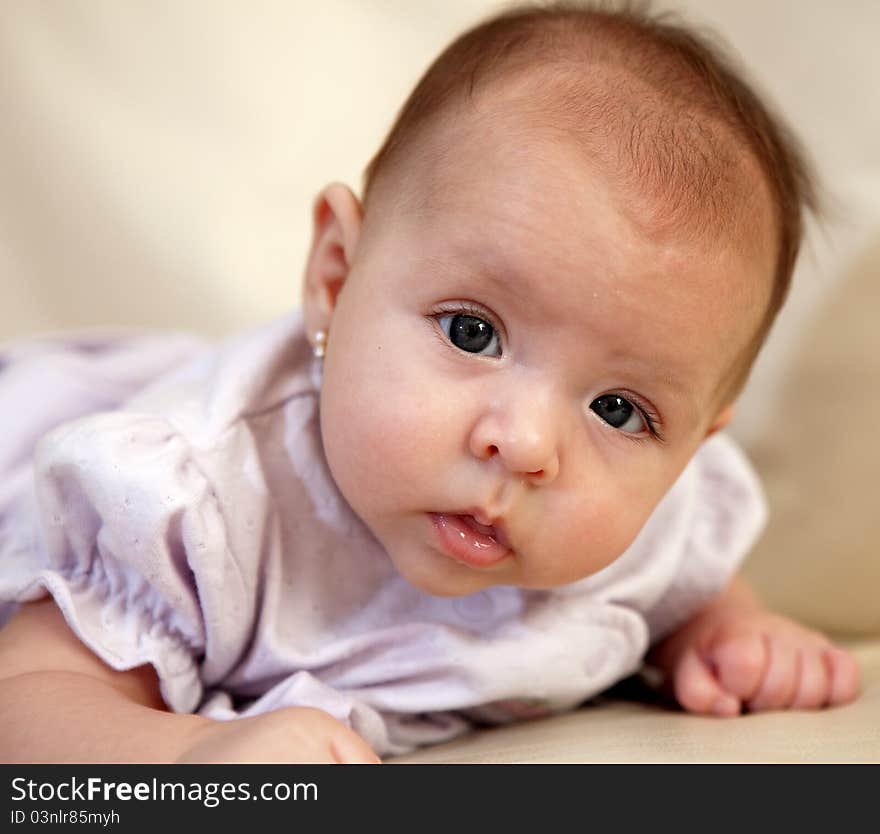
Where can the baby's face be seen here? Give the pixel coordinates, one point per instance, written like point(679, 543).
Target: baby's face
point(515, 375)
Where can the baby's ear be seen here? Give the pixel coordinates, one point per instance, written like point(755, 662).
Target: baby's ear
point(336, 227)
point(723, 418)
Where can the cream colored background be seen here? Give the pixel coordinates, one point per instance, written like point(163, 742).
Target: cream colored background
point(158, 161)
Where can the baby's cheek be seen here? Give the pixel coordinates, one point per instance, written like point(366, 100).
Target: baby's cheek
point(602, 527)
point(375, 439)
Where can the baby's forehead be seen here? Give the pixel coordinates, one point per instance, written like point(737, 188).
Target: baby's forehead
point(531, 137)
point(678, 171)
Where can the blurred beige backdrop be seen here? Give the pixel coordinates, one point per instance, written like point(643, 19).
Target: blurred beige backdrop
point(158, 162)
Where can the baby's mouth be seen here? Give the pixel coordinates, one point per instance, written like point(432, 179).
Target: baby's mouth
point(489, 530)
point(469, 541)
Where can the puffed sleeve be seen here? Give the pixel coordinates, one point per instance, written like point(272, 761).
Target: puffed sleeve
point(121, 509)
point(719, 514)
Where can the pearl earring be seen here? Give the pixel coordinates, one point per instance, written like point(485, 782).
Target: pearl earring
point(320, 344)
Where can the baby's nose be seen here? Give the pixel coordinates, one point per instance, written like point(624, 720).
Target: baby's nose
point(523, 435)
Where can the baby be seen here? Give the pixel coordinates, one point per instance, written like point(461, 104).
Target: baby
point(478, 478)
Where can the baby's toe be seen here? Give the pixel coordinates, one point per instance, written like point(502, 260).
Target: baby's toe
point(697, 690)
point(844, 675)
point(781, 679)
point(813, 687)
point(740, 662)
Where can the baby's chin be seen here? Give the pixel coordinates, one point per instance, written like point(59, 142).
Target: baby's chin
point(440, 576)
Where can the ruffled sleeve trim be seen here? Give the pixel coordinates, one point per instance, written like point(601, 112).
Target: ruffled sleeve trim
point(122, 515)
point(122, 642)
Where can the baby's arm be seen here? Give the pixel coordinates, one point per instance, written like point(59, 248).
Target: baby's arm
point(60, 703)
point(736, 654)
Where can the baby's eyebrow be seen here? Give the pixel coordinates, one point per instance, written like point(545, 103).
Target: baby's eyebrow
point(468, 264)
point(660, 377)
point(505, 278)
point(659, 373)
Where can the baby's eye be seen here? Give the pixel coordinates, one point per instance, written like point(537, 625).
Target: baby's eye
point(471, 334)
point(619, 413)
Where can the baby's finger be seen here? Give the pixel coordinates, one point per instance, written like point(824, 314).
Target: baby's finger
point(814, 686)
point(781, 679)
point(844, 676)
point(698, 690)
point(740, 661)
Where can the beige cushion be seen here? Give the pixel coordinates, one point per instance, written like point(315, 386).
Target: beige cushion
point(623, 730)
point(819, 458)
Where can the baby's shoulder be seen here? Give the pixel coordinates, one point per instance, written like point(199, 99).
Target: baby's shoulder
point(248, 375)
point(208, 414)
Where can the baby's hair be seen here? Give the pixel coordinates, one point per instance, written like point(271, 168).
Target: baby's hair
point(686, 131)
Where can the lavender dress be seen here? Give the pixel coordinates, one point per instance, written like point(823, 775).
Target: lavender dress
point(174, 499)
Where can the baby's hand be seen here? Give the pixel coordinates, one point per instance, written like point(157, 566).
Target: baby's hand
point(294, 735)
point(731, 657)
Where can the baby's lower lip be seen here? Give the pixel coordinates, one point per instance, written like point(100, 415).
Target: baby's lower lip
point(460, 540)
